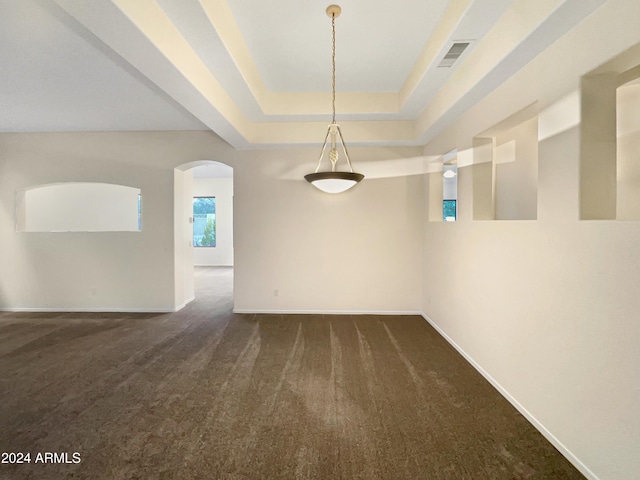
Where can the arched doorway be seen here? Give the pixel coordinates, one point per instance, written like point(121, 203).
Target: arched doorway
point(203, 207)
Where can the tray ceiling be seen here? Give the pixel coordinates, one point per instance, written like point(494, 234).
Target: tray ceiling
point(258, 74)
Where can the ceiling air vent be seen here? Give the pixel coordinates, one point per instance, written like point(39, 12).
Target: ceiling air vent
point(453, 54)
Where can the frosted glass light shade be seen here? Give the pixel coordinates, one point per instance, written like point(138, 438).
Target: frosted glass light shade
point(333, 182)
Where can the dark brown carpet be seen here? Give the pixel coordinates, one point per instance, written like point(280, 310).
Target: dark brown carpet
point(205, 393)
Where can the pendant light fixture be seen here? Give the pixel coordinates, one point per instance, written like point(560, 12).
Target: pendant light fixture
point(333, 181)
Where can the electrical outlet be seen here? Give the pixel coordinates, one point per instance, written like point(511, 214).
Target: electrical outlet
point(275, 293)
point(94, 292)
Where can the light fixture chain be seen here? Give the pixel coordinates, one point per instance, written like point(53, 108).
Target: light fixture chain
point(333, 64)
point(335, 180)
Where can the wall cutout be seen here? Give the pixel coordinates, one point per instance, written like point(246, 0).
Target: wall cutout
point(505, 170)
point(628, 151)
point(609, 139)
point(78, 207)
point(449, 192)
point(442, 189)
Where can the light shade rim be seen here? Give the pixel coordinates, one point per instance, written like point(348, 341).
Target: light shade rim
point(354, 177)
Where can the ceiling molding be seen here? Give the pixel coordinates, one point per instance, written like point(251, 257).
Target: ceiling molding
point(194, 52)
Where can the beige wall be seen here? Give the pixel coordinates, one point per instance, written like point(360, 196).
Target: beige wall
point(547, 309)
point(86, 270)
point(183, 237)
point(351, 252)
point(517, 176)
point(332, 253)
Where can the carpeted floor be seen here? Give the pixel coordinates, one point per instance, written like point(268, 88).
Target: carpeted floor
point(207, 394)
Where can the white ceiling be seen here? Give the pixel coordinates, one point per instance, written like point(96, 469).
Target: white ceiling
point(56, 76)
point(259, 74)
point(377, 43)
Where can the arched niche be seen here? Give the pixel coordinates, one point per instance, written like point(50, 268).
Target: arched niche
point(78, 207)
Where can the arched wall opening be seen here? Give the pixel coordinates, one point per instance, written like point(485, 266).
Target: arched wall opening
point(203, 221)
point(78, 207)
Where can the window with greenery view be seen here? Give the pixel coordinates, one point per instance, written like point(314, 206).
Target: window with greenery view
point(449, 210)
point(204, 221)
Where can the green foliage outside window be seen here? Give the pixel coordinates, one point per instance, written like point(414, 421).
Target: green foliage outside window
point(209, 235)
point(204, 221)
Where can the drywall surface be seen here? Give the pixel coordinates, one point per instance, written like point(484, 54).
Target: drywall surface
point(300, 249)
point(86, 270)
point(548, 309)
point(183, 235)
point(128, 271)
point(222, 253)
point(517, 176)
point(352, 252)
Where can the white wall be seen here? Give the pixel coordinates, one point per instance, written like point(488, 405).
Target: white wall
point(434, 188)
point(351, 252)
point(87, 270)
point(183, 237)
point(355, 252)
point(222, 189)
point(517, 176)
point(450, 185)
point(548, 309)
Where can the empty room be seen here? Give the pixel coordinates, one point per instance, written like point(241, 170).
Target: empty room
point(301, 240)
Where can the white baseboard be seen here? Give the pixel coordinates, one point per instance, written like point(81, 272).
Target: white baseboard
point(184, 304)
point(85, 310)
point(326, 312)
point(188, 301)
point(96, 310)
point(539, 426)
